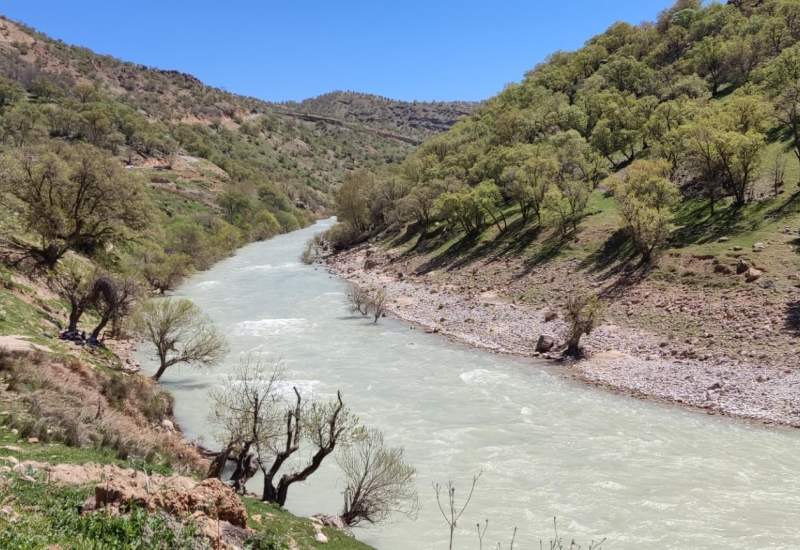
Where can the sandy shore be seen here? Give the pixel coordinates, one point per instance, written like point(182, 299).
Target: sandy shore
point(480, 307)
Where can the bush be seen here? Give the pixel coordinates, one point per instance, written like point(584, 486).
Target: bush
point(342, 236)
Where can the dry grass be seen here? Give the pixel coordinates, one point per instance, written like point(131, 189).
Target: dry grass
point(62, 399)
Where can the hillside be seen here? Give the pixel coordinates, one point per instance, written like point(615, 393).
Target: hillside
point(655, 168)
point(417, 119)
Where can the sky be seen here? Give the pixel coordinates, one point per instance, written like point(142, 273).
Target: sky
point(291, 50)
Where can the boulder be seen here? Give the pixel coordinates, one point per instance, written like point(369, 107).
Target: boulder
point(545, 343)
point(758, 247)
point(550, 315)
point(752, 274)
point(741, 266)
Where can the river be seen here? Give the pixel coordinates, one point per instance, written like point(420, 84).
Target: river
point(642, 475)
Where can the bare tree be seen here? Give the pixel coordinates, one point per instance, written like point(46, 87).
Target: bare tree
point(358, 299)
point(113, 298)
point(180, 333)
point(451, 511)
point(247, 412)
point(73, 283)
point(377, 304)
point(379, 482)
point(367, 302)
point(324, 425)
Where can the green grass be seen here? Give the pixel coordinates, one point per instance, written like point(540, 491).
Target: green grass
point(287, 526)
point(43, 515)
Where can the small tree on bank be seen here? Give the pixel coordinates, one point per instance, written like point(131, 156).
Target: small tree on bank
point(264, 431)
point(180, 333)
point(582, 314)
point(367, 302)
point(378, 481)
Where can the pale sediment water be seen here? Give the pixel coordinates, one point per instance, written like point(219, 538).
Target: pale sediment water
point(642, 475)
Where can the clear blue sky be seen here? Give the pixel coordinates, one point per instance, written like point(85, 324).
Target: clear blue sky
point(413, 49)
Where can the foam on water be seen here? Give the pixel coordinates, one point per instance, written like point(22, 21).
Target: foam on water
point(269, 327)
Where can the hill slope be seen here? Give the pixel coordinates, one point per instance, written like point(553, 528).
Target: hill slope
point(417, 119)
point(656, 167)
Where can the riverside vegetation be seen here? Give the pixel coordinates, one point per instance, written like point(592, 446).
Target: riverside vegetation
point(654, 172)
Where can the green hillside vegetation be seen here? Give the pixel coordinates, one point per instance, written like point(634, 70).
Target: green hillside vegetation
point(678, 134)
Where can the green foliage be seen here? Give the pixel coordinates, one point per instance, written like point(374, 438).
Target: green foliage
point(645, 196)
point(582, 312)
point(73, 198)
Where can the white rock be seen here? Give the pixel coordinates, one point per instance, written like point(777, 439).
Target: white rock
point(320, 537)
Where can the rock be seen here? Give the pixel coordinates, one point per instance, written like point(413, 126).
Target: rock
point(320, 537)
point(256, 517)
point(752, 274)
point(715, 386)
point(10, 459)
point(742, 266)
point(330, 521)
point(544, 343)
point(168, 425)
point(369, 263)
point(758, 247)
point(177, 495)
point(724, 239)
point(9, 514)
point(550, 316)
point(723, 269)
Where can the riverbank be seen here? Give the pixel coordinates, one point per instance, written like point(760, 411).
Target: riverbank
point(724, 351)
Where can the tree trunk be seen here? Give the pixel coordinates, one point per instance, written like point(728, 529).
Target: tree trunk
point(100, 326)
point(160, 371)
point(218, 464)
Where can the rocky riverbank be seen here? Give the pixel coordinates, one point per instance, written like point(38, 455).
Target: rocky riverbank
point(726, 351)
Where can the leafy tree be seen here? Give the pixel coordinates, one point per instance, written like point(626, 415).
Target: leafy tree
point(180, 333)
point(73, 198)
point(645, 195)
point(527, 180)
point(710, 60)
point(460, 209)
point(489, 199)
point(10, 93)
point(567, 201)
point(783, 80)
point(352, 206)
point(724, 146)
point(23, 124)
point(582, 312)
